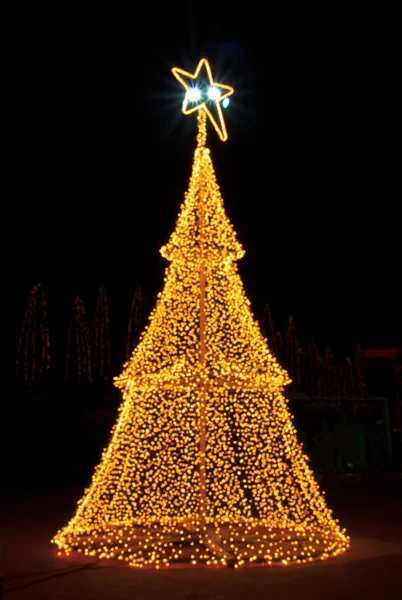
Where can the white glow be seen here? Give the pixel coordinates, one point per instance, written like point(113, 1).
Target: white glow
point(194, 94)
point(213, 93)
point(225, 103)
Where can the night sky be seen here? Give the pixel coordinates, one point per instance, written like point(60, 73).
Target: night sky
point(100, 155)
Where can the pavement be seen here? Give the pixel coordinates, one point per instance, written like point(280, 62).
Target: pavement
point(372, 568)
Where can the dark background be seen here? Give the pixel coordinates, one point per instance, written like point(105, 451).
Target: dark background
point(99, 157)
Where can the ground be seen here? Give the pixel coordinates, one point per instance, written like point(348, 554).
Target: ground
point(371, 511)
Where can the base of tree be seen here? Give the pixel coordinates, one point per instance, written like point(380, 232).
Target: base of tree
point(213, 544)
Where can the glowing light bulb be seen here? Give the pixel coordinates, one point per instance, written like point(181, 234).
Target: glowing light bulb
point(213, 93)
point(194, 94)
point(225, 102)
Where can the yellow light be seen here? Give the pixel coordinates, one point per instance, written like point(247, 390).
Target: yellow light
point(217, 93)
point(204, 464)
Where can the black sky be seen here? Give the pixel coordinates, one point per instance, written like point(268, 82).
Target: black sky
point(100, 154)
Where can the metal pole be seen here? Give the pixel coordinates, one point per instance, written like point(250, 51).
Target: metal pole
point(202, 398)
point(202, 394)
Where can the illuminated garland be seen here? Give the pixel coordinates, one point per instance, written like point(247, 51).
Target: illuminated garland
point(33, 354)
point(101, 336)
point(135, 322)
point(78, 354)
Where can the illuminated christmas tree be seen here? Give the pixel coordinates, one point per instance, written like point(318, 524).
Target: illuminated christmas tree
point(203, 464)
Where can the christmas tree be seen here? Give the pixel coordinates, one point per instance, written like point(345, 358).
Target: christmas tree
point(204, 464)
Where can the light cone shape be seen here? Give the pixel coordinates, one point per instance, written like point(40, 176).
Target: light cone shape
point(204, 464)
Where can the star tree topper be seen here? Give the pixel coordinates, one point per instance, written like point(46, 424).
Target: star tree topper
point(202, 96)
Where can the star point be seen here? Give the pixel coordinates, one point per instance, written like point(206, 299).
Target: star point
point(198, 98)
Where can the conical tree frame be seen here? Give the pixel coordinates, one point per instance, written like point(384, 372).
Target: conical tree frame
point(204, 464)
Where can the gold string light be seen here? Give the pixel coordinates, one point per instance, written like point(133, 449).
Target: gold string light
point(204, 464)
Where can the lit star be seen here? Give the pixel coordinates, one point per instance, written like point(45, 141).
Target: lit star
point(201, 97)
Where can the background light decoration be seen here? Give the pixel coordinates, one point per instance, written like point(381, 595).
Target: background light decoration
point(101, 337)
point(33, 355)
point(135, 321)
point(204, 464)
point(78, 352)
